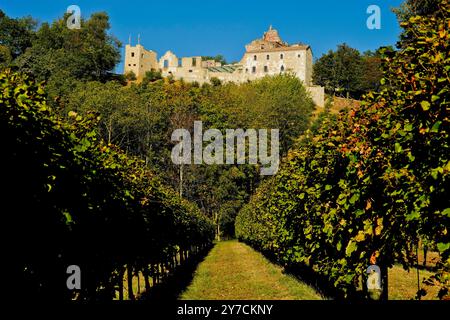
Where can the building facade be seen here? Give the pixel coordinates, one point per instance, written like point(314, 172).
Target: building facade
point(267, 56)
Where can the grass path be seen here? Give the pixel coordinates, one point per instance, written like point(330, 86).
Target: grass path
point(234, 271)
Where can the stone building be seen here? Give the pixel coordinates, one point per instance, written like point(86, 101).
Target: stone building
point(269, 55)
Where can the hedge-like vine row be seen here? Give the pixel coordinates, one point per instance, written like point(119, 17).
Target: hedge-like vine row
point(373, 182)
point(73, 200)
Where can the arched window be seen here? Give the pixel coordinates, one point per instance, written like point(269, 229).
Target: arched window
point(282, 68)
point(266, 69)
point(281, 56)
point(254, 69)
point(254, 57)
point(268, 57)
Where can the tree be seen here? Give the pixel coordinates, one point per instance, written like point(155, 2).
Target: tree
point(130, 76)
point(16, 34)
point(216, 81)
point(347, 72)
point(219, 58)
point(412, 8)
point(151, 76)
point(340, 72)
point(85, 54)
point(371, 70)
point(5, 56)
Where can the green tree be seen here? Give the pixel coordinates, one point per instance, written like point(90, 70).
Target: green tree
point(16, 34)
point(340, 72)
point(89, 53)
point(411, 8)
point(130, 76)
point(218, 58)
point(151, 76)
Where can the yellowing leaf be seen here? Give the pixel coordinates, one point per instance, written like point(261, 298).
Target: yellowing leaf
point(360, 237)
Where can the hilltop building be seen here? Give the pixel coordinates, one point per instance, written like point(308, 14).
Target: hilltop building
point(269, 55)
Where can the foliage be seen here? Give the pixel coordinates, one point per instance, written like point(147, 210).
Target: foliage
point(78, 200)
point(152, 76)
point(347, 72)
point(16, 34)
point(130, 76)
point(371, 184)
point(86, 53)
point(218, 58)
point(411, 8)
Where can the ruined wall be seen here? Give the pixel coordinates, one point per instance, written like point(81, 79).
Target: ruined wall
point(318, 95)
point(139, 60)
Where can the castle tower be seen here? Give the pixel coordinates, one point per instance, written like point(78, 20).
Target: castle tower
point(272, 36)
point(139, 61)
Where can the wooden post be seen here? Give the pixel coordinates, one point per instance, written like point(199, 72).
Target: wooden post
point(130, 282)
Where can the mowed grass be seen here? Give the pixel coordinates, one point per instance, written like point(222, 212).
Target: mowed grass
point(234, 271)
point(403, 284)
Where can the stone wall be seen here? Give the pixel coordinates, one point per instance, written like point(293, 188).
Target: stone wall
point(138, 60)
point(318, 95)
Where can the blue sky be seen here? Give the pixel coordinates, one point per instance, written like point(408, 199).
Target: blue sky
point(224, 27)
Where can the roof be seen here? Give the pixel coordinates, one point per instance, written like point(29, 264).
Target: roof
point(289, 48)
point(230, 68)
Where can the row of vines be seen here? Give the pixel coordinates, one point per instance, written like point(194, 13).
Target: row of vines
point(373, 182)
point(70, 199)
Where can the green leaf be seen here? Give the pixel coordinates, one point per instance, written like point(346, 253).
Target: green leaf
point(446, 212)
point(398, 148)
point(435, 128)
point(354, 198)
point(351, 247)
point(413, 216)
point(443, 247)
point(425, 105)
point(408, 127)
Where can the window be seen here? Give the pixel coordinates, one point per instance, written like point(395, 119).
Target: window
point(254, 69)
point(246, 70)
point(299, 55)
point(134, 65)
point(254, 57)
point(190, 70)
point(166, 63)
point(281, 56)
point(142, 55)
point(268, 57)
point(129, 64)
point(142, 66)
point(194, 62)
point(282, 68)
point(132, 54)
point(266, 69)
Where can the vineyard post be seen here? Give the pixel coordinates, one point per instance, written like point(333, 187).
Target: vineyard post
point(384, 276)
point(130, 281)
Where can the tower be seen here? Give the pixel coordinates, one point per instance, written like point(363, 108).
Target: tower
point(139, 61)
